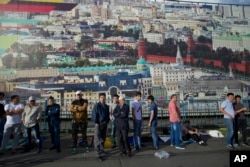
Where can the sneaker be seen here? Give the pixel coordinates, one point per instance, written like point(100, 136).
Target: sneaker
point(246, 144)
point(229, 146)
point(86, 149)
point(171, 145)
point(235, 145)
point(74, 150)
point(180, 148)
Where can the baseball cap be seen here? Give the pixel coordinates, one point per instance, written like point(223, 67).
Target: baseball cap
point(78, 92)
point(32, 98)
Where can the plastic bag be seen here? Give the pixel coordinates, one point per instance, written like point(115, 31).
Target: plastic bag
point(162, 154)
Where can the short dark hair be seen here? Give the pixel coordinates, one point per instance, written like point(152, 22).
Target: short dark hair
point(51, 98)
point(237, 96)
point(13, 97)
point(173, 95)
point(230, 94)
point(137, 93)
point(102, 94)
point(2, 94)
point(150, 97)
point(187, 122)
point(116, 95)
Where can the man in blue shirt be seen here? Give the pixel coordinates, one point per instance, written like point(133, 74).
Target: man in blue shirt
point(153, 111)
point(228, 110)
point(100, 116)
point(53, 114)
point(137, 120)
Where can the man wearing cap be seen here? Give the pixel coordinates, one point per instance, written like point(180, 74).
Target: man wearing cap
point(79, 120)
point(31, 115)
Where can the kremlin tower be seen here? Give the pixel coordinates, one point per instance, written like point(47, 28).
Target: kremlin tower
point(141, 46)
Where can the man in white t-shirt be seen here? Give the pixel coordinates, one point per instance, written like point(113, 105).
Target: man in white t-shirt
point(13, 123)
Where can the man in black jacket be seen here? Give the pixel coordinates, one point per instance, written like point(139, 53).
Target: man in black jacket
point(121, 114)
point(100, 116)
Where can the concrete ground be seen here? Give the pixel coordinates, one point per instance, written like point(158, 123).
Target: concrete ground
point(215, 154)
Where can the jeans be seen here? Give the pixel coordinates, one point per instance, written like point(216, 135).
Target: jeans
point(230, 130)
point(36, 132)
point(137, 133)
point(2, 123)
point(100, 137)
point(8, 130)
point(154, 134)
point(175, 134)
point(55, 135)
point(240, 124)
point(113, 133)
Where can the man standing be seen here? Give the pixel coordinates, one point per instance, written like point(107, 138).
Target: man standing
point(53, 114)
point(79, 120)
point(229, 113)
point(2, 115)
point(13, 123)
point(30, 117)
point(152, 124)
point(175, 119)
point(240, 120)
point(137, 120)
point(112, 118)
point(100, 116)
point(121, 114)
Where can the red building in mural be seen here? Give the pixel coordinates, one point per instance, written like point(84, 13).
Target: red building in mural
point(244, 66)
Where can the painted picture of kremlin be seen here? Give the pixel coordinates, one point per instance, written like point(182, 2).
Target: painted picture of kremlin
point(197, 49)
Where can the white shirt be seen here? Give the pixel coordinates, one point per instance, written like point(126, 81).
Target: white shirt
point(16, 118)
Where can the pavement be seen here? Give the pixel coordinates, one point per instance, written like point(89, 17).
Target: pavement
point(215, 154)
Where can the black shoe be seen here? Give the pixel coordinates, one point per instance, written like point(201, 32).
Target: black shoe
point(114, 146)
point(39, 151)
point(123, 154)
point(129, 154)
point(25, 151)
point(52, 148)
point(58, 150)
point(100, 158)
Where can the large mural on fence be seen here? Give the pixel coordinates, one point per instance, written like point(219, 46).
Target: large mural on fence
point(198, 49)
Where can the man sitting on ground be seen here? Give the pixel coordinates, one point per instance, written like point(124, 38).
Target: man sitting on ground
point(189, 133)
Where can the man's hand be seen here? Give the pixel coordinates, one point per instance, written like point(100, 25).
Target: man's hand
point(149, 124)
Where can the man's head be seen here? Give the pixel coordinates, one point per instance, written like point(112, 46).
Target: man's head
point(115, 99)
point(32, 100)
point(2, 95)
point(51, 100)
point(15, 99)
point(121, 100)
point(230, 97)
point(102, 98)
point(79, 94)
point(187, 123)
point(138, 96)
point(173, 97)
point(237, 99)
point(151, 99)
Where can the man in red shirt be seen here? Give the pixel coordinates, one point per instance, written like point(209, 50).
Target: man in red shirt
point(175, 119)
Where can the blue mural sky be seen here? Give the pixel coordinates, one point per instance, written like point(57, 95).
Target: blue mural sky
point(241, 2)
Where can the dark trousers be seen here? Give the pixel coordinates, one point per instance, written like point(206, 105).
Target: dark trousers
point(55, 135)
point(99, 137)
point(193, 136)
point(36, 132)
point(82, 126)
point(240, 124)
point(2, 123)
point(123, 141)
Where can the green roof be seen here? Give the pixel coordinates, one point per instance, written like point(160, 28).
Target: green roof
point(7, 41)
point(228, 38)
point(141, 61)
point(19, 21)
point(7, 72)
